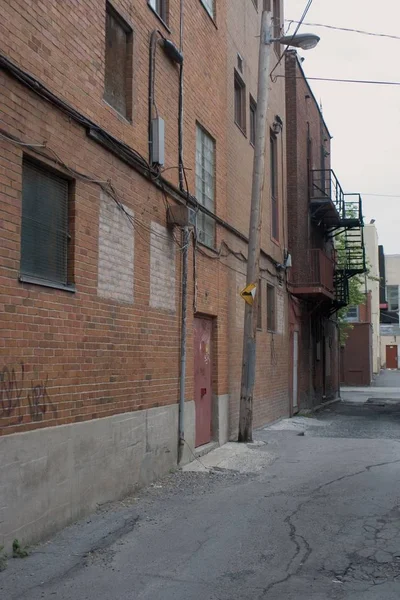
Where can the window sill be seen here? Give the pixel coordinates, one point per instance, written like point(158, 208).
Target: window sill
point(159, 17)
point(209, 15)
point(241, 129)
point(45, 283)
point(211, 248)
point(120, 116)
point(275, 241)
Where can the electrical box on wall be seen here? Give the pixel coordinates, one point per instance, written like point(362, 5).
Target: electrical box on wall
point(181, 215)
point(157, 141)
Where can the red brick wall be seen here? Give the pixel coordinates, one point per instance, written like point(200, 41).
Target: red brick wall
point(317, 376)
point(85, 356)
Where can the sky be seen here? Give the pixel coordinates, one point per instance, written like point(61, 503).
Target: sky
point(364, 120)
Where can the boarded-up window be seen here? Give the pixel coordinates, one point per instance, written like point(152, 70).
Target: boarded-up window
point(271, 308)
point(118, 63)
point(44, 228)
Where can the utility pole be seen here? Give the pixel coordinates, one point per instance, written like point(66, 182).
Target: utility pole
point(306, 41)
point(253, 260)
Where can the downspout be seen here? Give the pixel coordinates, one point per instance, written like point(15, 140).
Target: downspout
point(185, 255)
point(185, 262)
point(180, 117)
point(153, 41)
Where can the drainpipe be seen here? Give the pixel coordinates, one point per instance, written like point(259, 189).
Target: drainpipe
point(180, 118)
point(185, 262)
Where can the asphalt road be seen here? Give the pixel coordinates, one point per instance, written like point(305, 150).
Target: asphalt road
point(319, 519)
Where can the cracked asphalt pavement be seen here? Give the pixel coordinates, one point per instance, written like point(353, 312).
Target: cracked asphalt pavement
point(321, 520)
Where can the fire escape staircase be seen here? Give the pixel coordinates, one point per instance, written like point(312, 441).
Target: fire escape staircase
point(341, 216)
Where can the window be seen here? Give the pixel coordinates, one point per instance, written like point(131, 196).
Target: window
point(161, 8)
point(240, 63)
point(253, 114)
point(353, 314)
point(205, 185)
point(240, 102)
point(393, 297)
point(274, 187)
point(271, 308)
point(118, 63)
point(209, 5)
point(259, 305)
point(44, 227)
point(276, 15)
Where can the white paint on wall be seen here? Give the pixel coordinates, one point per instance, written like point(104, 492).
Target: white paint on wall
point(162, 268)
point(116, 252)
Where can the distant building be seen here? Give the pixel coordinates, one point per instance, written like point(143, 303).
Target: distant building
point(361, 353)
point(389, 310)
point(318, 210)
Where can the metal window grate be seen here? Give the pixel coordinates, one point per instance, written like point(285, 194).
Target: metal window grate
point(205, 184)
point(44, 231)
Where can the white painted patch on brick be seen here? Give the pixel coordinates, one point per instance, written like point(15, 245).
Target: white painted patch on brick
point(162, 268)
point(116, 252)
point(240, 303)
point(280, 312)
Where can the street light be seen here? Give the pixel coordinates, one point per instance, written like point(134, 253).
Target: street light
point(305, 41)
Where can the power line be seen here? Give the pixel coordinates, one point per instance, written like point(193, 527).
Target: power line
point(382, 195)
point(338, 80)
point(303, 16)
point(348, 29)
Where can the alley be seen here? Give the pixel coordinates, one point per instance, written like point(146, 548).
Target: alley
point(315, 515)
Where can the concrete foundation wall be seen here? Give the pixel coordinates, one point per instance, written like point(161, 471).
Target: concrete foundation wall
point(51, 477)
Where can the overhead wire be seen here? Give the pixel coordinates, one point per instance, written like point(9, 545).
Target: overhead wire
point(107, 186)
point(303, 16)
point(339, 80)
point(346, 29)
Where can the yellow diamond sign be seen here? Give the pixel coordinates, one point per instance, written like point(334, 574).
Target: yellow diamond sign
point(249, 293)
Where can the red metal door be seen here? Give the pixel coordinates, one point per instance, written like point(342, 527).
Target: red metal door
point(391, 357)
point(202, 380)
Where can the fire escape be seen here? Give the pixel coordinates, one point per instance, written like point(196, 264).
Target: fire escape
point(341, 215)
point(326, 274)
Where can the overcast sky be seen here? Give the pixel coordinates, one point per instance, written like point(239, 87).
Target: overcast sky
point(364, 120)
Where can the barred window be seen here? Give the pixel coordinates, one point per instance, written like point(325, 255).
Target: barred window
point(44, 228)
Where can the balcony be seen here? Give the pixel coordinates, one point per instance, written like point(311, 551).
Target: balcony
point(329, 205)
point(326, 198)
point(314, 278)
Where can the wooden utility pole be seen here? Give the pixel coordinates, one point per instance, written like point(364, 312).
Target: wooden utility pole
point(253, 261)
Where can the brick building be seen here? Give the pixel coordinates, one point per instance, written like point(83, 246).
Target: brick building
point(318, 213)
point(91, 269)
point(356, 354)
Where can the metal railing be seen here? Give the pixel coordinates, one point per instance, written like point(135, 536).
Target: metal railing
point(317, 271)
point(325, 186)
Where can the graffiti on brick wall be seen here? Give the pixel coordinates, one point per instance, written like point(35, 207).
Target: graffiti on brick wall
point(19, 397)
